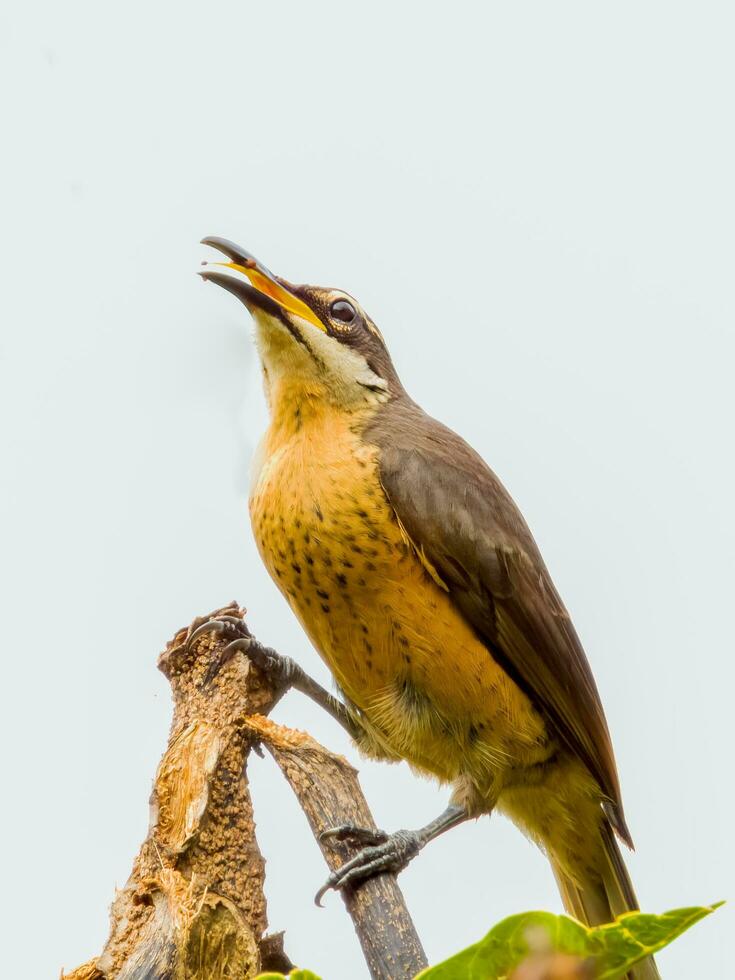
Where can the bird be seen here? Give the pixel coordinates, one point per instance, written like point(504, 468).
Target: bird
point(420, 585)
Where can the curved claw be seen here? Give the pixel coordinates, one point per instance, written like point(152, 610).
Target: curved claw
point(242, 643)
point(391, 854)
point(323, 891)
point(212, 626)
point(352, 833)
point(331, 832)
point(219, 625)
point(355, 870)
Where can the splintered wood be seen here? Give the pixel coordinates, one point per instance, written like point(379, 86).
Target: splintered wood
point(194, 906)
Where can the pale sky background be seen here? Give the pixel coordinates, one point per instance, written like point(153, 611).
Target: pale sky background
point(535, 203)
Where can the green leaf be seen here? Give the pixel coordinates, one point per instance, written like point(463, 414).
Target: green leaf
point(293, 975)
point(614, 947)
point(636, 935)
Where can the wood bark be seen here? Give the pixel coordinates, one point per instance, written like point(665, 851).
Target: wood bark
point(193, 907)
point(329, 793)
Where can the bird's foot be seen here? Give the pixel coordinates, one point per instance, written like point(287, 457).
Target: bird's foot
point(280, 670)
point(384, 852)
point(353, 834)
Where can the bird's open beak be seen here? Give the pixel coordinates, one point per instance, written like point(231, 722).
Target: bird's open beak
point(263, 291)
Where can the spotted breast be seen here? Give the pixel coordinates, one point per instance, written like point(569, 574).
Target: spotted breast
point(377, 615)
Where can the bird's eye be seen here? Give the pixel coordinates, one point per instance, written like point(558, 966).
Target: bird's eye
point(342, 310)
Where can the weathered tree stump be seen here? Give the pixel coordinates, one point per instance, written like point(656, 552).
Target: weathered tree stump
point(193, 907)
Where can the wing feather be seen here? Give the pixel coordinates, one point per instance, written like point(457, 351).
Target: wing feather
point(473, 537)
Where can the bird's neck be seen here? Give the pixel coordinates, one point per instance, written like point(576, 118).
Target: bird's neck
point(294, 403)
point(300, 397)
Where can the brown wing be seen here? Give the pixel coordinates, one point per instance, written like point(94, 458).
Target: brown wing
point(454, 508)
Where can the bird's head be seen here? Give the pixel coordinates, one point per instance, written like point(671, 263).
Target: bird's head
point(314, 343)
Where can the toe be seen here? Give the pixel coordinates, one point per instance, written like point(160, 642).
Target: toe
point(337, 878)
point(212, 626)
point(362, 872)
point(353, 834)
point(392, 853)
point(241, 643)
point(227, 625)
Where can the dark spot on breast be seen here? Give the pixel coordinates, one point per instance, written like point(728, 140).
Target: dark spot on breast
point(403, 641)
point(368, 646)
point(318, 512)
point(322, 594)
point(297, 523)
point(361, 513)
point(345, 563)
point(309, 560)
point(370, 566)
point(325, 607)
point(341, 579)
point(368, 662)
point(356, 548)
point(407, 658)
point(296, 567)
point(414, 699)
point(364, 629)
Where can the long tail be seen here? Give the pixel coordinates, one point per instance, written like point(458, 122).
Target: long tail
point(600, 898)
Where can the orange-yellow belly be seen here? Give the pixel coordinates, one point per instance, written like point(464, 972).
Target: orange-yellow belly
point(427, 689)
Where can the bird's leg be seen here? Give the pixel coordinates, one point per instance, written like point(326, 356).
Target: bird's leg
point(284, 672)
point(384, 852)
